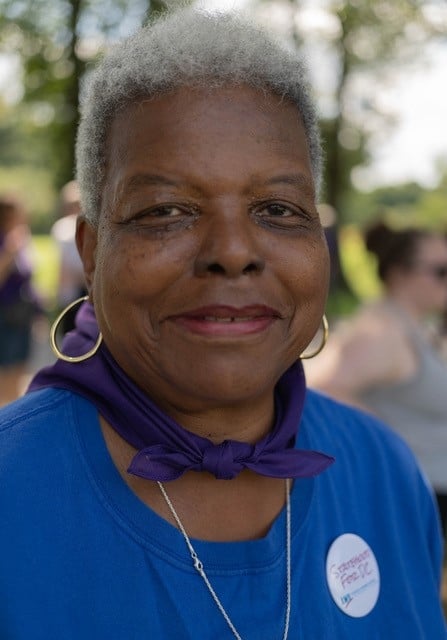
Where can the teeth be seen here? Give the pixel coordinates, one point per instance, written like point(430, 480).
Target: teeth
point(235, 319)
point(214, 319)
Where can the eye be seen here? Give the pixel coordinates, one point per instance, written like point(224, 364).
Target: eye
point(163, 215)
point(165, 211)
point(281, 215)
point(277, 210)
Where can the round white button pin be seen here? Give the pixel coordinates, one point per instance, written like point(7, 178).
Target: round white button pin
point(352, 575)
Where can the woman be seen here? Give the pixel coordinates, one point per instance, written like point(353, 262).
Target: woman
point(18, 299)
point(165, 487)
point(405, 381)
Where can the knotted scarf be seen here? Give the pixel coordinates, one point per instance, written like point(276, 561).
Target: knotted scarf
point(165, 449)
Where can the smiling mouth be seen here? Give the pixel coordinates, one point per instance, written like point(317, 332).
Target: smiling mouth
point(230, 319)
point(221, 321)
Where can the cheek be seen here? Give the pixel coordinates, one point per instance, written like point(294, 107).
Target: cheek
point(112, 272)
point(322, 268)
point(308, 285)
point(311, 276)
point(135, 269)
point(116, 273)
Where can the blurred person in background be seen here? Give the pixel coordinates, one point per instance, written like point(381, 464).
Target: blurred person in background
point(71, 282)
point(443, 335)
point(384, 360)
point(18, 300)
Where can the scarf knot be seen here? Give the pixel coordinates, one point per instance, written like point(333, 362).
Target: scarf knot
point(220, 461)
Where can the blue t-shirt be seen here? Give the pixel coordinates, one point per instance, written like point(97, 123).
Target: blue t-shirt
point(82, 557)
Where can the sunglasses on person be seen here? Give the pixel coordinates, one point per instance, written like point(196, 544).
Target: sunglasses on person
point(438, 271)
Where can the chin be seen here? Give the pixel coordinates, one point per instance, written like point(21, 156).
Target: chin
point(234, 385)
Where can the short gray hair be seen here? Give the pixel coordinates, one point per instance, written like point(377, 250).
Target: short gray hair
point(193, 48)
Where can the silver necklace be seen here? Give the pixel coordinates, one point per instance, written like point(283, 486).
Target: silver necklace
point(198, 564)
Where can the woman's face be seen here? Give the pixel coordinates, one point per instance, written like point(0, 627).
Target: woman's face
point(209, 268)
point(427, 279)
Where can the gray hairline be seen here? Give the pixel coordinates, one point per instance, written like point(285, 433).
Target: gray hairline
point(148, 65)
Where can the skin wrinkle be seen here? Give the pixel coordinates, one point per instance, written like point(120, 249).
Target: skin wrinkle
point(309, 236)
point(131, 186)
point(122, 189)
point(144, 270)
point(180, 50)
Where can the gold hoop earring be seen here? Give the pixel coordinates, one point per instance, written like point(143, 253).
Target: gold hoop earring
point(53, 331)
point(325, 325)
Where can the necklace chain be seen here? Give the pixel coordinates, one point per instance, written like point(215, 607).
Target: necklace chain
point(198, 564)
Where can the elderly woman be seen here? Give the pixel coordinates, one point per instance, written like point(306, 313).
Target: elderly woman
point(169, 476)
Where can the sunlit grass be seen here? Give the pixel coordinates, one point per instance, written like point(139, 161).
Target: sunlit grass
point(46, 268)
point(358, 265)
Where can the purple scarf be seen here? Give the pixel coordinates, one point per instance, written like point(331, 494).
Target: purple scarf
point(165, 449)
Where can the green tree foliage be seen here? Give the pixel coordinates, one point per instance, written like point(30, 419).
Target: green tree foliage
point(9, 143)
point(363, 43)
point(402, 205)
point(355, 48)
point(359, 44)
point(373, 38)
point(55, 42)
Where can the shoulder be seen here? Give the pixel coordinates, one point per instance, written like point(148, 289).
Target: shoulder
point(376, 489)
point(32, 408)
point(370, 336)
point(355, 438)
point(372, 463)
point(373, 325)
point(35, 427)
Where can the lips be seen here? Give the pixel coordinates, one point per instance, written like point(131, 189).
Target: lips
point(225, 312)
point(230, 319)
point(224, 320)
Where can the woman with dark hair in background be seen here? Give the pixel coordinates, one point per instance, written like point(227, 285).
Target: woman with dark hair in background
point(383, 359)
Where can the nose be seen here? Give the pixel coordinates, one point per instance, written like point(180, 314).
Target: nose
point(229, 246)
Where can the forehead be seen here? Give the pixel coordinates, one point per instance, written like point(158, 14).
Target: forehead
point(209, 132)
point(232, 101)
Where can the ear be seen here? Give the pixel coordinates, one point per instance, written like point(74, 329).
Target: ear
point(86, 242)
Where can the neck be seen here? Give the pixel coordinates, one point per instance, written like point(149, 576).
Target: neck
point(248, 422)
point(210, 509)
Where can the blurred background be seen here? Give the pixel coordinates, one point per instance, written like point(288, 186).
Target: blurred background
point(379, 71)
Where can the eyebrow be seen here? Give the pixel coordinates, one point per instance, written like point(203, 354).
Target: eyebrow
point(138, 180)
point(147, 179)
point(295, 180)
